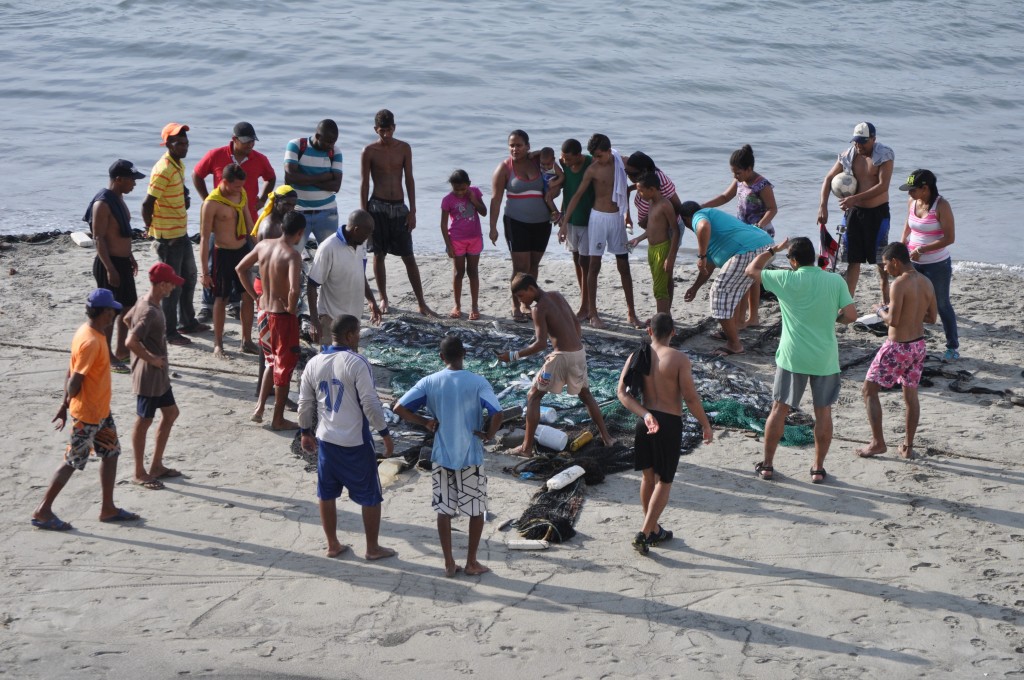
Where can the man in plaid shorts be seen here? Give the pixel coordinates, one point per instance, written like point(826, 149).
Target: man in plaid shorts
point(457, 399)
point(87, 398)
point(725, 242)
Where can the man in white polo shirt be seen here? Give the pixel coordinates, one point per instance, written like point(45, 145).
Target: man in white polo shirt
point(339, 272)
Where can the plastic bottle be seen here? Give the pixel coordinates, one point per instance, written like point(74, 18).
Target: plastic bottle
point(581, 441)
point(565, 477)
point(551, 438)
point(548, 415)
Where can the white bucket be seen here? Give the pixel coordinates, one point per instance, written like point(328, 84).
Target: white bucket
point(551, 438)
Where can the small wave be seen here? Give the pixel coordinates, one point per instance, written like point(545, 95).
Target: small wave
point(968, 266)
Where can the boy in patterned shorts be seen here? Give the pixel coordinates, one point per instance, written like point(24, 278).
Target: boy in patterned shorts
point(456, 398)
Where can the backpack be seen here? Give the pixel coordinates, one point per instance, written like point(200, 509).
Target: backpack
point(639, 365)
point(304, 144)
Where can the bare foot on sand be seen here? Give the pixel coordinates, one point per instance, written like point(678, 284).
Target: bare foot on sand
point(428, 312)
point(633, 321)
point(474, 315)
point(220, 353)
point(257, 416)
point(333, 550)
point(871, 450)
point(475, 568)
point(284, 424)
point(596, 322)
point(384, 306)
point(524, 451)
point(456, 313)
point(582, 315)
point(379, 553)
point(907, 451)
point(450, 570)
point(249, 347)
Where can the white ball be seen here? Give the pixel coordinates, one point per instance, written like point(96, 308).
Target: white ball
point(844, 184)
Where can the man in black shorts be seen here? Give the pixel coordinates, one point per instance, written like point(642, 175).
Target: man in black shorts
point(226, 219)
point(114, 267)
point(665, 384)
point(387, 161)
point(867, 211)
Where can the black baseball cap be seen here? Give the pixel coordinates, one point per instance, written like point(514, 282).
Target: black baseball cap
point(123, 168)
point(918, 179)
point(245, 132)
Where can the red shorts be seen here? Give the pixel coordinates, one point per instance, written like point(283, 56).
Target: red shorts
point(471, 246)
point(279, 340)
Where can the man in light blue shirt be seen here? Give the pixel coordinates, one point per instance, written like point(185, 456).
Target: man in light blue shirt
point(457, 399)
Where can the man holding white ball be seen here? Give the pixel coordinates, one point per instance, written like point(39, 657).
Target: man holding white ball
point(865, 201)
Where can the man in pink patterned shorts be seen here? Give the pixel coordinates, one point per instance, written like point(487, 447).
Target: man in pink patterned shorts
point(901, 357)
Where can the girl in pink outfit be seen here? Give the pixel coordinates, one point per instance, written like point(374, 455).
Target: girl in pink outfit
point(461, 211)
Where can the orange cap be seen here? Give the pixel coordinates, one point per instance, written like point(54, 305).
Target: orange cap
point(170, 130)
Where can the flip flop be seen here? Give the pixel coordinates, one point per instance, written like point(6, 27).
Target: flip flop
point(717, 335)
point(52, 524)
point(122, 516)
point(152, 484)
point(120, 367)
point(170, 472)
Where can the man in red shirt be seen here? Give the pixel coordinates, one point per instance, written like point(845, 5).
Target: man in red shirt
point(240, 150)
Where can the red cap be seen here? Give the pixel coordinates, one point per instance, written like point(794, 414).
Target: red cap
point(162, 272)
point(170, 130)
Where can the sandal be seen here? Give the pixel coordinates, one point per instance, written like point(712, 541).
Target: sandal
point(763, 471)
point(818, 473)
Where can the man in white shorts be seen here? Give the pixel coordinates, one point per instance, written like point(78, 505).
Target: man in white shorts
point(607, 224)
point(456, 398)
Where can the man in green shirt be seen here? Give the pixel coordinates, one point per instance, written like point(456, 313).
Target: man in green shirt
point(809, 299)
point(574, 232)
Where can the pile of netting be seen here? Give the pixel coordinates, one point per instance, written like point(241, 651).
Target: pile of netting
point(552, 514)
point(406, 349)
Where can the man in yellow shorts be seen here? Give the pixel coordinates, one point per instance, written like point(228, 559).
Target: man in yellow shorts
point(662, 239)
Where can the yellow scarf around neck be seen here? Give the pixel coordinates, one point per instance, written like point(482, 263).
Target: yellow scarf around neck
point(239, 207)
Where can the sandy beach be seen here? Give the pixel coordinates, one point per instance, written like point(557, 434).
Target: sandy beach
point(892, 569)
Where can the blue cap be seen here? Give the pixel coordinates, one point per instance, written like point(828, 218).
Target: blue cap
point(100, 298)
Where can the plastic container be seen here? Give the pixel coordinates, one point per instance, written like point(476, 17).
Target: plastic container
point(581, 441)
point(565, 477)
point(551, 438)
point(548, 415)
point(527, 544)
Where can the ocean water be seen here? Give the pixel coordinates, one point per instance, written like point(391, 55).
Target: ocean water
point(88, 82)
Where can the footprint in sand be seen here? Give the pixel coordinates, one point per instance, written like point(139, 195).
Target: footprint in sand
point(922, 564)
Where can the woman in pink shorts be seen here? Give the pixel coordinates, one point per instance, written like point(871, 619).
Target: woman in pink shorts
point(460, 226)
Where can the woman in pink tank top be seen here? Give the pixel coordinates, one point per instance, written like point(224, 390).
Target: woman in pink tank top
point(929, 229)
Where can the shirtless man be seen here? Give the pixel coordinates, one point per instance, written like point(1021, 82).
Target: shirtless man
point(901, 357)
point(225, 216)
point(387, 161)
point(662, 233)
point(115, 267)
point(666, 384)
point(566, 366)
point(867, 221)
point(281, 282)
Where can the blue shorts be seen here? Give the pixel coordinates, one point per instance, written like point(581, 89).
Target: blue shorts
point(348, 467)
point(146, 407)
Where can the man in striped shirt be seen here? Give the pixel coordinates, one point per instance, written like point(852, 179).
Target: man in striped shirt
point(313, 167)
point(165, 212)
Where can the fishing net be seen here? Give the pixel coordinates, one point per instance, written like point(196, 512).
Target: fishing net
point(552, 514)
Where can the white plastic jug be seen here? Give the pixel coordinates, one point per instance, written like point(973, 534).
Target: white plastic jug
point(565, 477)
point(551, 437)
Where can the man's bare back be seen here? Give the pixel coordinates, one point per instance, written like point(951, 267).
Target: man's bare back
point(554, 318)
point(911, 305)
point(387, 165)
point(281, 273)
point(669, 377)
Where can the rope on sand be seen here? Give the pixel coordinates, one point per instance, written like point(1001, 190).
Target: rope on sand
point(194, 367)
